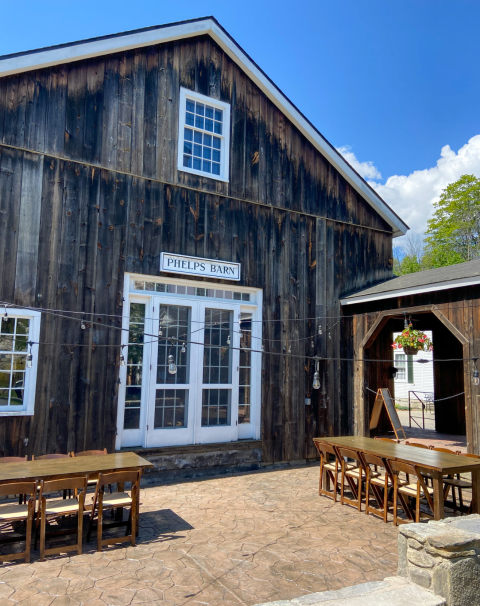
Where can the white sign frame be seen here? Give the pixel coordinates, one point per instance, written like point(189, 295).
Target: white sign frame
point(197, 266)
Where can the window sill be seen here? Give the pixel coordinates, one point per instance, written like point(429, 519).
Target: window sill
point(198, 173)
point(17, 413)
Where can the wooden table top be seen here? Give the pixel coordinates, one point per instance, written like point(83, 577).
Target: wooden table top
point(58, 468)
point(424, 458)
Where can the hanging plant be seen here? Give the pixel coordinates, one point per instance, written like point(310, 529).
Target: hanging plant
point(412, 341)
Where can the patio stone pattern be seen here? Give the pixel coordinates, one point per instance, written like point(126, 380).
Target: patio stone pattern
point(238, 539)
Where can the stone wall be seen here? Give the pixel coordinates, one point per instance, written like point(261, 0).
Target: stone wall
point(443, 557)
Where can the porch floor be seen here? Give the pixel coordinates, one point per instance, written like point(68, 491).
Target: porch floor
point(428, 435)
point(239, 539)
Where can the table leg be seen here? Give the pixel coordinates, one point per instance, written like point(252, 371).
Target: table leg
point(476, 491)
point(439, 511)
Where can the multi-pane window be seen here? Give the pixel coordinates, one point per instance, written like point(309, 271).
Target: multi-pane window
point(171, 408)
point(174, 330)
point(133, 392)
point(400, 365)
point(203, 135)
point(13, 353)
point(245, 368)
point(217, 367)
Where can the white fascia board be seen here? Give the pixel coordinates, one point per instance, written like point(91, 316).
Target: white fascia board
point(95, 48)
point(418, 290)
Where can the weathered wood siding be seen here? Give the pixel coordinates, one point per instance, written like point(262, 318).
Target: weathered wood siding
point(89, 189)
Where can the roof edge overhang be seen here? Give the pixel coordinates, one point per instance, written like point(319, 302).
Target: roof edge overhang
point(95, 47)
point(414, 290)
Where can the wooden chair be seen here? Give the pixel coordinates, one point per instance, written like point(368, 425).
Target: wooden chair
point(377, 483)
point(329, 469)
point(417, 445)
point(459, 484)
point(387, 440)
point(417, 490)
point(103, 501)
point(13, 459)
point(58, 508)
point(353, 474)
point(10, 513)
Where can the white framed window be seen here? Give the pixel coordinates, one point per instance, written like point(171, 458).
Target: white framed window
point(203, 136)
point(19, 335)
point(400, 365)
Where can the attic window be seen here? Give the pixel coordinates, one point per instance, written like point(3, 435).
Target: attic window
point(204, 136)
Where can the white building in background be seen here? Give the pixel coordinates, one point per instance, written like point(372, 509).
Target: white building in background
point(412, 376)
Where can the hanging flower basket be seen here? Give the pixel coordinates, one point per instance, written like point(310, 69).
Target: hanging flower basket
point(412, 341)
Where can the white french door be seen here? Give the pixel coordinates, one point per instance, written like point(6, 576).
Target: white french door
point(191, 376)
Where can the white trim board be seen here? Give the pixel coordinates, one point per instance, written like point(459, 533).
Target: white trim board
point(86, 49)
point(414, 290)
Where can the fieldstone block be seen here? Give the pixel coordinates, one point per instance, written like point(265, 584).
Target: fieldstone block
point(402, 556)
point(458, 582)
point(420, 558)
point(420, 576)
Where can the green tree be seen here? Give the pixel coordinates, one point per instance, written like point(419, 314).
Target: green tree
point(408, 256)
point(453, 233)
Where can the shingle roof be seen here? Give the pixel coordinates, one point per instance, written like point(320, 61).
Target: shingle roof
point(453, 276)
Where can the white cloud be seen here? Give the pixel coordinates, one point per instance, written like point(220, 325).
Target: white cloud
point(366, 169)
point(412, 196)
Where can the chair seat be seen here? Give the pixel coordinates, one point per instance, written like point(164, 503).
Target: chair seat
point(329, 466)
point(58, 506)
point(354, 473)
point(13, 512)
point(458, 483)
point(114, 499)
point(411, 490)
point(379, 479)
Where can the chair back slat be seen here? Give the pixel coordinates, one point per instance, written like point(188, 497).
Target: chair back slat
point(18, 488)
point(400, 466)
point(89, 453)
point(117, 477)
point(417, 445)
point(472, 456)
point(13, 459)
point(447, 450)
point(325, 448)
point(350, 454)
point(373, 460)
point(50, 456)
point(387, 440)
point(79, 482)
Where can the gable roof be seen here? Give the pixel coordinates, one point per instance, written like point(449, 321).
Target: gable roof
point(443, 278)
point(103, 45)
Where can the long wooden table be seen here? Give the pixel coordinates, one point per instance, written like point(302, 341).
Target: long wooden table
point(52, 469)
point(431, 462)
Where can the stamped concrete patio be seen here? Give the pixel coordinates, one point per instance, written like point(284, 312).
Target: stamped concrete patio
point(240, 539)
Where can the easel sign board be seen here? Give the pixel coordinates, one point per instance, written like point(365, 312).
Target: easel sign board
point(385, 399)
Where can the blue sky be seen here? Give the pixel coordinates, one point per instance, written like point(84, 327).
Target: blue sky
point(391, 83)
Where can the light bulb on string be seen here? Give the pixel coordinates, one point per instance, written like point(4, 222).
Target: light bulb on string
point(476, 377)
point(228, 339)
point(262, 347)
point(122, 358)
point(316, 375)
point(312, 344)
point(82, 325)
point(320, 331)
point(160, 332)
point(5, 315)
point(183, 350)
point(405, 323)
point(29, 360)
point(172, 367)
point(289, 349)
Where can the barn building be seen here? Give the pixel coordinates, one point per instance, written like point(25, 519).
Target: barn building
point(176, 239)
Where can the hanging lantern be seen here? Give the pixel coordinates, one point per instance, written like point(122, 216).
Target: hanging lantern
point(316, 375)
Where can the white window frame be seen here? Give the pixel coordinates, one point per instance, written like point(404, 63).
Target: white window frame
point(225, 136)
point(400, 368)
point(30, 373)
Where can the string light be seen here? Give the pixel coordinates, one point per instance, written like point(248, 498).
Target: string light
point(82, 325)
point(405, 323)
point(183, 348)
point(475, 374)
point(320, 331)
point(228, 339)
point(289, 349)
point(5, 315)
point(262, 347)
point(316, 375)
point(160, 332)
point(122, 358)
point(172, 367)
point(29, 361)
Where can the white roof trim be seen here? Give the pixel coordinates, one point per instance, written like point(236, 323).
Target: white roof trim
point(94, 48)
point(414, 290)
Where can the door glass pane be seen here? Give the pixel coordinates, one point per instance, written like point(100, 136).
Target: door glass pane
point(174, 329)
point(216, 405)
point(171, 408)
point(13, 338)
point(133, 391)
point(245, 374)
point(217, 357)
